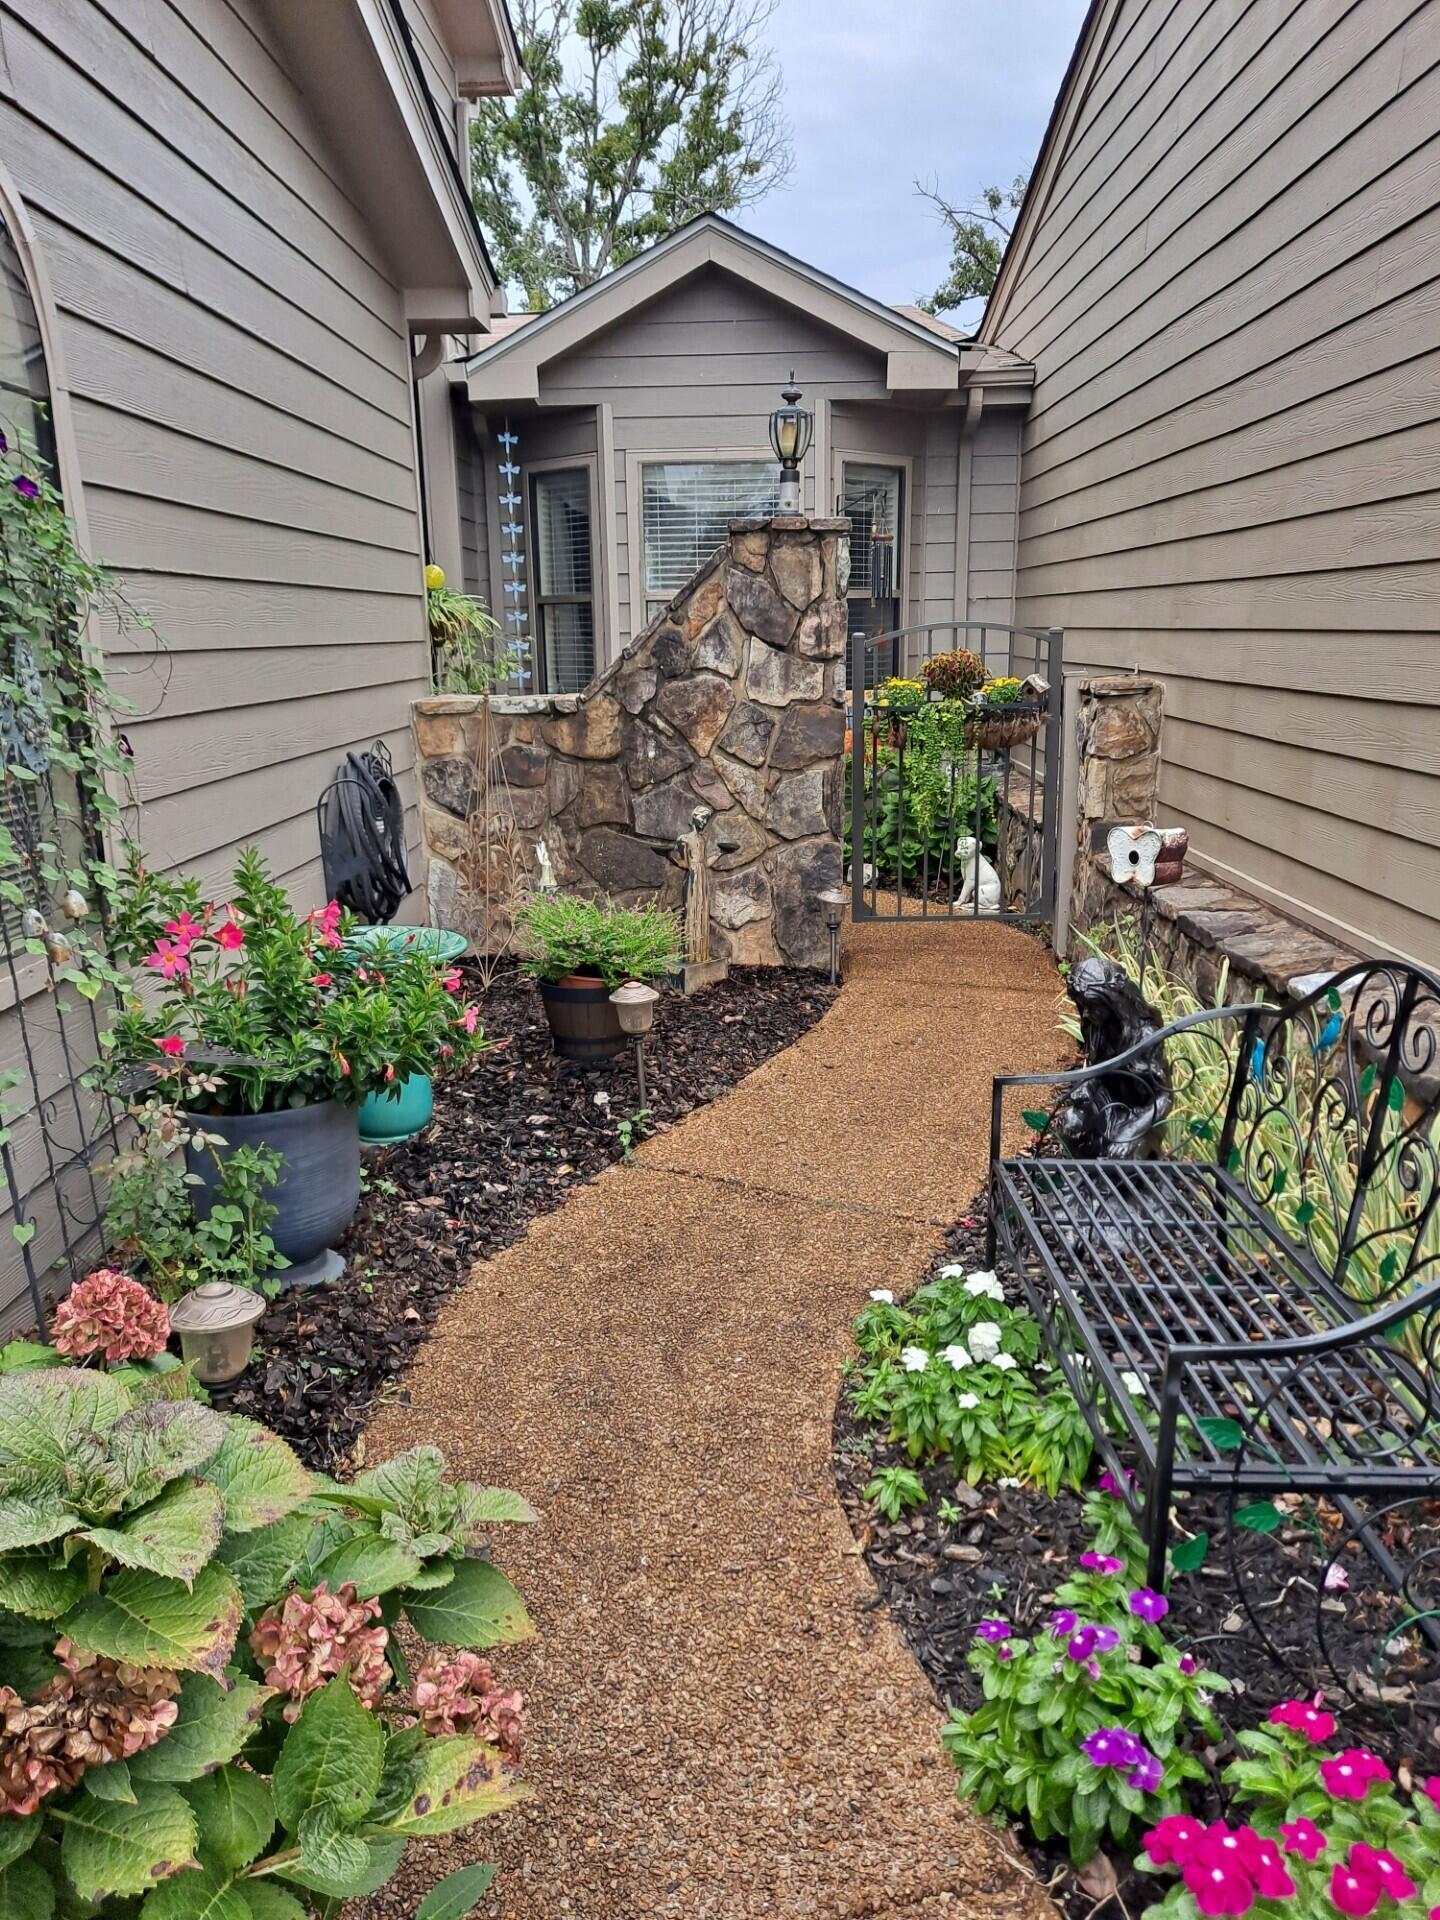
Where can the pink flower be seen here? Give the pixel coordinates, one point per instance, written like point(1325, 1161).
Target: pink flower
point(168, 959)
point(470, 1019)
point(109, 1313)
point(230, 934)
point(306, 1642)
point(1432, 1788)
point(1100, 1563)
point(1272, 1882)
point(184, 931)
point(326, 921)
point(1336, 1578)
point(171, 1044)
point(320, 980)
point(1172, 1840)
point(453, 980)
point(446, 1051)
point(344, 1065)
point(1354, 1892)
point(1390, 1872)
point(1189, 1664)
point(1348, 1775)
point(1217, 1879)
point(460, 1696)
point(389, 1074)
point(1304, 1718)
point(1304, 1838)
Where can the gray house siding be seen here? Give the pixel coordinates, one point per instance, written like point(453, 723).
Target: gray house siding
point(1231, 292)
point(238, 376)
point(239, 379)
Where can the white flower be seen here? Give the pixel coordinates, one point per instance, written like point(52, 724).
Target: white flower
point(1004, 1361)
point(914, 1359)
point(1007, 1480)
point(602, 1099)
point(985, 1337)
point(987, 1284)
point(1133, 1385)
point(957, 1357)
point(883, 1295)
point(968, 1401)
point(952, 1272)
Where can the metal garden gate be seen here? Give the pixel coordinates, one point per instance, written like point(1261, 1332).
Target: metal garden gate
point(907, 815)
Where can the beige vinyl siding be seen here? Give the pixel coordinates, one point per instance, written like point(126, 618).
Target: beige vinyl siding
point(239, 374)
point(695, 373)
point(473, 484)
point(1232, 297)
point(438, 69)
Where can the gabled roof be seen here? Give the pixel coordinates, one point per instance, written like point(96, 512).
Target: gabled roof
point(918, 357)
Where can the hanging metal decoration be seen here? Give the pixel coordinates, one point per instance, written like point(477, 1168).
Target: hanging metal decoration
point(514, 594)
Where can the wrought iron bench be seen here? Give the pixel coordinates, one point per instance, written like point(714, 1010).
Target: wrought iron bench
point(1260, 1307)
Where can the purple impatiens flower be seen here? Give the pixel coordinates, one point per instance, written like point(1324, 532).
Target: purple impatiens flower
point(1146, 1776)
point(1100, 1563)
point(995, 1631)
point(25, 487)
point(1112, 1747)
point(1063, 1622)
point(1091, 1640)
point(1146, 1604)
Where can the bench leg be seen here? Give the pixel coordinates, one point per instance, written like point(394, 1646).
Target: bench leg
point(1158, 1538)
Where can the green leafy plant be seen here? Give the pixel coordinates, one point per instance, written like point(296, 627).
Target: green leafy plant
point(631, 1128)
point(274, 1001)
point(893, 1489)
point(1085, 1729)
point(1005, 691)
point(955, 1374)
point(217, 1714)
point(953, 675)
point(923, 804)
point(565, 934)
point(463, 636)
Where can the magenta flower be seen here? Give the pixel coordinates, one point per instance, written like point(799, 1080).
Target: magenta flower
point(320, 980)
point(1092, 1640)
point(25, 487)
point(1266, 1867)
point(1107, 1482)
point(1354, 1892)
point(1432, 1789)
point(109, 1313)
point(1303, 1837)
point(1100, 1563)
point(1063, 1622)
point(168, 960)
point(1148, 1605)
point(171, 1044)
point(184, 931)
point(470, 1019)
point(1348, 1775)
point(453, 980)
point(1112, 1747)
point(1146, 1776)
point(1390, 1872)
point(995, 1631)
point(1189, 1664)
point(1304, 1718)
point(1173, 1839)
point(230, 935)
point(1218, 1881)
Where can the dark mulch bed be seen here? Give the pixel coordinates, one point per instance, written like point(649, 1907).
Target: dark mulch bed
point(1012, 1546)
point(511, 1135)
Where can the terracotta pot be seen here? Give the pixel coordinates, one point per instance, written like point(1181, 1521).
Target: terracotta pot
point(583, 1024)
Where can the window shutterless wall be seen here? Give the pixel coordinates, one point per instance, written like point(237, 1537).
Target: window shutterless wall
point(565, 590)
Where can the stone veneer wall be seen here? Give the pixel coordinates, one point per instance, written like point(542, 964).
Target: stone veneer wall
point(1199, 923)
point(733, 696)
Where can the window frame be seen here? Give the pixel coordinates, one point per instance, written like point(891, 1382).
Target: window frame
point(903, 465)
point(635, 461)
point(531, 470)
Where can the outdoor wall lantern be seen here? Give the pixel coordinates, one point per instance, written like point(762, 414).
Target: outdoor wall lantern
point(790, 430)
point(834, 900)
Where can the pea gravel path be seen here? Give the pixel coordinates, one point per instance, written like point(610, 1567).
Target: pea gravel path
point(721, 1720)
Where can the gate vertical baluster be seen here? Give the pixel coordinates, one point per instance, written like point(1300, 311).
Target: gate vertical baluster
point(858, 810)
point(1054, 639)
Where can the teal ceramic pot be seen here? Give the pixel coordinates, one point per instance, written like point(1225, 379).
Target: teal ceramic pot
point(440, 944)
point(385, 1120)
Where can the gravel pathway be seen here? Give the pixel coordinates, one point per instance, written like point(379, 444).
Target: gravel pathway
point(722, 1721)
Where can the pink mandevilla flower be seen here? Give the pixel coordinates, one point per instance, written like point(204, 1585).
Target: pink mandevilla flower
point(185, 931)
point(306, 1642)
point(460, 1696)
point(230, 934)
point(1354, 1891)
point(1303, 1837)
point(169, 960)
point(453, 980)
point(1348, 1774)
point(111, 1314)
point(470, 1019)
point(1316, 1726)
point(320, 980)
point(171, 1044)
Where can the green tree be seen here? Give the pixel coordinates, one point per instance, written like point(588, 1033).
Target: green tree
point(977, 239)
point(637, 115)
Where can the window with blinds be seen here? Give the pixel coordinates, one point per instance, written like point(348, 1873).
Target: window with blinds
point(564, 596)
point(872, 501)
point(687, 508)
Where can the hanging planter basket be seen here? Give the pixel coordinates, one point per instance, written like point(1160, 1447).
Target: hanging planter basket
point(998, 729)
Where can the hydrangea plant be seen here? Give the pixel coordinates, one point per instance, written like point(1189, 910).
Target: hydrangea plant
point(203, 1703)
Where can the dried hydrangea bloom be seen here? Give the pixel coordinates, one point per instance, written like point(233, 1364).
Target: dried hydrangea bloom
point(110, 1314)
point(306, 1642)
point(95, 1712)
point(460, 1696)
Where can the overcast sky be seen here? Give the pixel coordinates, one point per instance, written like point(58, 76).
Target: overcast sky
point(879, 92)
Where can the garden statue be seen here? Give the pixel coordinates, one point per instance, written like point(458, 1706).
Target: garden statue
point(546, 883)
point(978, 873)
point(693, 855)
point(1117, 1116)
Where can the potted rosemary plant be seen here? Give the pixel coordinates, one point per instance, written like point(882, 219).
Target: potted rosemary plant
point(580, 951)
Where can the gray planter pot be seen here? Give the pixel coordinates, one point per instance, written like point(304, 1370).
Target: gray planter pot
point(319, 1186)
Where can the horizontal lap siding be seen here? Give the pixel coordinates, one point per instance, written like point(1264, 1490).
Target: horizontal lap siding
point(701, 367)
point(236, 358)
point(1229, 467)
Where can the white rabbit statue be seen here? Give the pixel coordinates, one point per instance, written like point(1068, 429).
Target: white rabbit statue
point(978, 872)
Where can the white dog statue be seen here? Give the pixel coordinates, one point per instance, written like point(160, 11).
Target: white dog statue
point(978, 873)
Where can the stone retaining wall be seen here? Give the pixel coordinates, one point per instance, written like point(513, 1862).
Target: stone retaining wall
point(732, 698)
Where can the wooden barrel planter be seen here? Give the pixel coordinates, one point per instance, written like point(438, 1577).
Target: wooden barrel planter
point(583, 1024)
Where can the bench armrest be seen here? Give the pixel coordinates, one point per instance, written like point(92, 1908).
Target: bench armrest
point(1351, 1334)
point(1077, 1076)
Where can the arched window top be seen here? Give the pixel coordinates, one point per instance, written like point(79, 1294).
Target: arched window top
point(25, 410)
